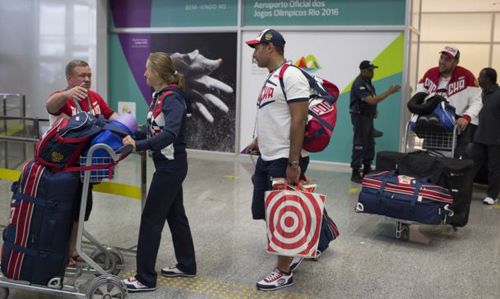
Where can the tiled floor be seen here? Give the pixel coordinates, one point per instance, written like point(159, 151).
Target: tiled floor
point(365, 262)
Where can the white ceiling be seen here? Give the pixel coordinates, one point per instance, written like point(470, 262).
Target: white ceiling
point(460, 5)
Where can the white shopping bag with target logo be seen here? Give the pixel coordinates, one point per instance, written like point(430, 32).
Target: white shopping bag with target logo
point(293, 219)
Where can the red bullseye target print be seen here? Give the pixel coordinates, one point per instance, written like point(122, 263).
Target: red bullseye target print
point(293, 222)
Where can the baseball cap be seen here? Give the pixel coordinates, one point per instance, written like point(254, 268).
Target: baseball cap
point(367, 65)
point(452, 51)
point(267, 36)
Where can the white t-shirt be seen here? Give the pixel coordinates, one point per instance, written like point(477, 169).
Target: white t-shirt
point(443, 83)
point(273, 113)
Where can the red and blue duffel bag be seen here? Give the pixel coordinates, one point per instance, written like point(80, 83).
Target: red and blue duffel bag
point(36, 239)
point(403, 197)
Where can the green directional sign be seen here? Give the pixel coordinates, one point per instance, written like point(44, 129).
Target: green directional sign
point(194, 13)
point(324, 12)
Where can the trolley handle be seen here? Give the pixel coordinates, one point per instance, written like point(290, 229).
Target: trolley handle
point(125, 150)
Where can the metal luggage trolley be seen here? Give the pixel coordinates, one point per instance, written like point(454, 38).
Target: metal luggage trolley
point(441, 143)
point(105, 262)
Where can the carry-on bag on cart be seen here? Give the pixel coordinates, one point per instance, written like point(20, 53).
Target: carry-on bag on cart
point(432, 113)
point(403, 197)
point(454, 174)
point(36, 239)
point(61, 146)
point(293, 219)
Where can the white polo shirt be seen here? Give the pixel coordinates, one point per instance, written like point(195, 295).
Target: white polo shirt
point(273, 114)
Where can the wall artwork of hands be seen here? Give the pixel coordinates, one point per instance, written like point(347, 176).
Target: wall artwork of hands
point(204, 90)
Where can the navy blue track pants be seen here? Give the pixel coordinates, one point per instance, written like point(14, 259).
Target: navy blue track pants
point(164, 202)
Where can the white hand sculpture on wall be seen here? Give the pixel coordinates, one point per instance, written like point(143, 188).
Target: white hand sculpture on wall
point(203, 89)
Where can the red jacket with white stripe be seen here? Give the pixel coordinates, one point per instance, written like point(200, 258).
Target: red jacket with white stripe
point(462, 91)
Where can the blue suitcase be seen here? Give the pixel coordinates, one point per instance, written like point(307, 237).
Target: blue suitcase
point(404, 197)
point(36, 239)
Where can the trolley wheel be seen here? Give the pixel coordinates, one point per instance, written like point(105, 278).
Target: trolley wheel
point(109, 265)
point(110, 287)
point(405, 234)
point(4, 293)
point(402, 231)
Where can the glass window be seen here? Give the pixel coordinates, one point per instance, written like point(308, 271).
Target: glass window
point(456, 27)
point(496, 58)
point(473, 57)
point(496, 36)
point(415, 14)
point(52, 18)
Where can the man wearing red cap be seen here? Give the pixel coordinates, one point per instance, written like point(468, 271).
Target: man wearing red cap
point(460, 87)
point(278, 138)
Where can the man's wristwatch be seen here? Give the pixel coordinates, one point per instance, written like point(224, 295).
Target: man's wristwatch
point(293, 164)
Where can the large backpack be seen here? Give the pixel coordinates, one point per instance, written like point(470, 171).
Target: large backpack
point(322, 110)
point(60, 147)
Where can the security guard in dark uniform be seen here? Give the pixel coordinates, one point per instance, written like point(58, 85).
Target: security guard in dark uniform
point(486, 146)
point(363, 109)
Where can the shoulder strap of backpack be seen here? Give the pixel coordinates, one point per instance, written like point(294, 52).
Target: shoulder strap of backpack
point(313, 84)
point(284, 67)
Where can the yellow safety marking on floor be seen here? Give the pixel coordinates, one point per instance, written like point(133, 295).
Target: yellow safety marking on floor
point(103, 187)
point(217, 288)
point(497, 206)
point(353, 190)
point(9, 174)
point(13, 129)
point(231, 177)
point(119, 189)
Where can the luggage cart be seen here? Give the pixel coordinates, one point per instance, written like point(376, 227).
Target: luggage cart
point(444, 143)
point(441, 143)
point(104, 263)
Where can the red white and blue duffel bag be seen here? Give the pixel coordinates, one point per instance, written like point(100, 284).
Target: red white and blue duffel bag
point(403, 197)
point(36, 239)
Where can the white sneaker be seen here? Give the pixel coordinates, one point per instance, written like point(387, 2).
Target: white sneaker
point(490, 201)
point(173, 271)
point(275, 280)
point(295, 263)
point(133, 285)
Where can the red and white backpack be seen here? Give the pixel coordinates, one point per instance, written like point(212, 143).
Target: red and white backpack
point(322, 110)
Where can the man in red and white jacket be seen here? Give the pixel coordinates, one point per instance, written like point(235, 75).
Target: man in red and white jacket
point(460, 87)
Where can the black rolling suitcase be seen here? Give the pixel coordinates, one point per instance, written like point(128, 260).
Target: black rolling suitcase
point(454, 174)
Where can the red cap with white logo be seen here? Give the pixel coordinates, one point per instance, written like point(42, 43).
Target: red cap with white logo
point(452, 51)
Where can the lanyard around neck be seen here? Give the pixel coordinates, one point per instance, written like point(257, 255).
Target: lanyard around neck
point(79, 108)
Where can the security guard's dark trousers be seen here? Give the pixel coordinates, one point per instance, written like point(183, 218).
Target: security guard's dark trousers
point(481, 153)
point(164, 202)
point(363, 148)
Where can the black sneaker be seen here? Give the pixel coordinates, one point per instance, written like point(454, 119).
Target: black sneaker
point(356, 176)
point(377, 133)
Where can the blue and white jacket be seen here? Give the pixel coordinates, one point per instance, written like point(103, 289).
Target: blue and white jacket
point(166, 128)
